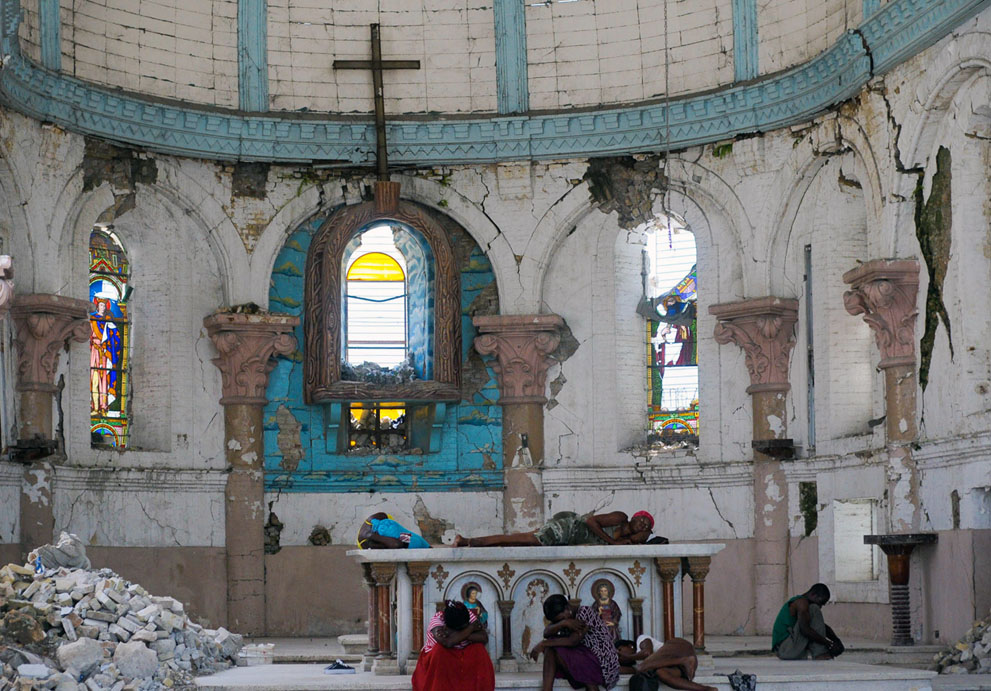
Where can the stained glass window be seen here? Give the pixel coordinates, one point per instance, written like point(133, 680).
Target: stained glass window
point(376, 301)
point(672, 326)
point(109, 273)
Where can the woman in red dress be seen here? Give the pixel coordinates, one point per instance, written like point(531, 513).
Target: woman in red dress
point(454, 655)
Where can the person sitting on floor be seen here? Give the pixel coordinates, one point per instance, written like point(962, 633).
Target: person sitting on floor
point(380, 531)
point(454, 655)
point(568, 528)
point(577, 646)
point(674, 664)
point(799, 629)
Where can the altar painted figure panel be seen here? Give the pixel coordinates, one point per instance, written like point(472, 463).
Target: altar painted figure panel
point(109, 273)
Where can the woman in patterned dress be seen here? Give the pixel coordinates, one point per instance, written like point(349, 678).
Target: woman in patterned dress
point(454, 655)
point(577, 646)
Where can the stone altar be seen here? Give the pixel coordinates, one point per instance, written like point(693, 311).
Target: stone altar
point(406, 587)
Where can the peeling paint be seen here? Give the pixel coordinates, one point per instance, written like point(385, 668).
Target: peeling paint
point(776, 426)
point(39, 490)
point(288, 439)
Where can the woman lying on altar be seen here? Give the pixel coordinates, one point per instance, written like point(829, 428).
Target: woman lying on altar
point(568, 528)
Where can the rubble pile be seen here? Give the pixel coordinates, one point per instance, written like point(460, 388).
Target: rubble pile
point(970, 655)
point(74, 629)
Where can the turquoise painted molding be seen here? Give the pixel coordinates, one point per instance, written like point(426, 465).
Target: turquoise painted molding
point(870, 7)
point(512, 87)
point(50, 29)
point(745, 42)
point(899, 30)
point(252, 55)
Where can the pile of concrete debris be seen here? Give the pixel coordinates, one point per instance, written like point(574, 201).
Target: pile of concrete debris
point(970, 655)
point(75, 629)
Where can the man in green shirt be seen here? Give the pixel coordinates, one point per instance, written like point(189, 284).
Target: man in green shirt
point(800, 630)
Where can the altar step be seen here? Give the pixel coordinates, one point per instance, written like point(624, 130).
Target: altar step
point(350, 648)
point(772, 675)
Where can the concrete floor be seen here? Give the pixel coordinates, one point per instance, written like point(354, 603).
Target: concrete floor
point(300, 663)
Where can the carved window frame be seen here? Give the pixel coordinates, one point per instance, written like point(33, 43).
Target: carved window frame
point(322, 311)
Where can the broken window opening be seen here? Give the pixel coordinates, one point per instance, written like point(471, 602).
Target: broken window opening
point(670, 305)
point(110, 324)
point(379, 428)
point(808, 505)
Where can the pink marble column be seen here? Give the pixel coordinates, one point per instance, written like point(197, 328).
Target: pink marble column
point(765, 329)
point(247, 344)
point(884, 291)
point(44, 326)
point(520, 345)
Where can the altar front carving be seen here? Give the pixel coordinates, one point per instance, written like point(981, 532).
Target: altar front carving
point(635, 588)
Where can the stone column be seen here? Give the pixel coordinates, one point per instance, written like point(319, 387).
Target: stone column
point(506, 612)
point(885, 292)
point(373, 616)
point(45, 324)
point(384, 574)
point(765, 329)
point(521, 344)
point(698, 569)
point(668, 569)
point(636, 610)
point(417, 577)
point(247, 344)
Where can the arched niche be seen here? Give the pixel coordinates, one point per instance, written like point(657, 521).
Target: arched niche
point(323, 325)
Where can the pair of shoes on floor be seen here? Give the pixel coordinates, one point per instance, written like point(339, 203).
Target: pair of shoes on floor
point(338, 667)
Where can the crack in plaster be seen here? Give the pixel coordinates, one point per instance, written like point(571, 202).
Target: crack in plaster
point(725, 520)
point(164, 527)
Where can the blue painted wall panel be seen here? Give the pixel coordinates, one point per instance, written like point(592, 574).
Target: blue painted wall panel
point(51, 34)
point(870, 7)
point(252, 55)
point(745, 40)
point(470, 453)
point(512, 87)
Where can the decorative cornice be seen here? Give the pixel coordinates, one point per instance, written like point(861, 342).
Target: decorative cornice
point(885, 291)
point(765, 329)
point(247, 344)
point(520, 344)
point(899, 30)
point(45, 324)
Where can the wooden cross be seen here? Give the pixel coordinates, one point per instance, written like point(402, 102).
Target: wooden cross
point(376, 65)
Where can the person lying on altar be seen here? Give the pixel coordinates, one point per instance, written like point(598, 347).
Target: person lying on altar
point(568, 528)
point(454, 655)
point(380, 531)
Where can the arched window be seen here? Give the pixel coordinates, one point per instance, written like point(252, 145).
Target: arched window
point(109, 273)
point(376, 302)
point(670, 284)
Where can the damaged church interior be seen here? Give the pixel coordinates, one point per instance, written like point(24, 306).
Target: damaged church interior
point(271, 267)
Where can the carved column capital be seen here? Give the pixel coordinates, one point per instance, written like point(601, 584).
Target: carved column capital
point(885, 292)
point(668, 568)
point(698, 567)
point(520, 344)
point(45, 324)
point(765, 329)
point(247, 344)
point(383, 573)
point(6, 284)
point(418, 572)
point(505, 607)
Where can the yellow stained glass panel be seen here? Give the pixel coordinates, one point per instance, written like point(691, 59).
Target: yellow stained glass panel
point(375, 266)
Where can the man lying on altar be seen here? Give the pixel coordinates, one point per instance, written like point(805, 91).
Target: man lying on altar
point(568, 528)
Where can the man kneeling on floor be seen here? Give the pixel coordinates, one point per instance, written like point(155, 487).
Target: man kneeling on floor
point(799, 630)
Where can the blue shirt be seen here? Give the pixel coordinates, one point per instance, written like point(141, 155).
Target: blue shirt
point(386, 527)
